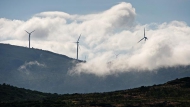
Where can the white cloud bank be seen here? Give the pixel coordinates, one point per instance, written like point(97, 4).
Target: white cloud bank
point(104, 34)
point(24, 68)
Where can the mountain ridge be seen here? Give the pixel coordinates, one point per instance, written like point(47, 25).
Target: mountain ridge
point(48, 72)
point(20, 62)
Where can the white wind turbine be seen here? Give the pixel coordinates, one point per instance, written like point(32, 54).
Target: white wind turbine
point(29, 36)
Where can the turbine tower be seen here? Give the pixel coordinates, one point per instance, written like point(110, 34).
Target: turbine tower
point(85, 59)
point(77, 45)
point(145, 38)
point(29, 36)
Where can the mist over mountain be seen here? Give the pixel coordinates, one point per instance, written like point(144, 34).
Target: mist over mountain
point(45, 71)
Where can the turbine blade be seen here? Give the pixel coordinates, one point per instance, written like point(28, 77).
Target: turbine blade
point(141, 40)
point(144, 32)
point(78, 38)
point(32, 31)
point(26, 32)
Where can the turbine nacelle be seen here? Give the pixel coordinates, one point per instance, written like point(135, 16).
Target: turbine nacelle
point(30, 32)
point(76, 42)
point(145, 38)
point(78, 38)
point(116, 55)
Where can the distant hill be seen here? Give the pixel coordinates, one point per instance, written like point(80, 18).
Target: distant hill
point(46, 71)
point(174, 93)
point(10, 93)
point(32, 68)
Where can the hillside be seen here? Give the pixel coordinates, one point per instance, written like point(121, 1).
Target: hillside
point(26, 67)
point(10, 93)
point(174, 93)
point(12, 57)
point(48, 72)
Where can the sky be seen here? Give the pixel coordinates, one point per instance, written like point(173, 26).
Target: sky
point(147, 11)
point(107, 28)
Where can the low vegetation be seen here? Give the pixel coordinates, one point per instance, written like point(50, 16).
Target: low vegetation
point(174, 93)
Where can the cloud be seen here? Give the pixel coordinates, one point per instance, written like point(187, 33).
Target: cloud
point(24, 68)
point(104, 34)
point(167, 46)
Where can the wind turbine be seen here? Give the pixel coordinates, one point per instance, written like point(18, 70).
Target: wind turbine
point(116, 55)
point(29, 36)
point(77, 45)
point(145, 38)
point(85, 58)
